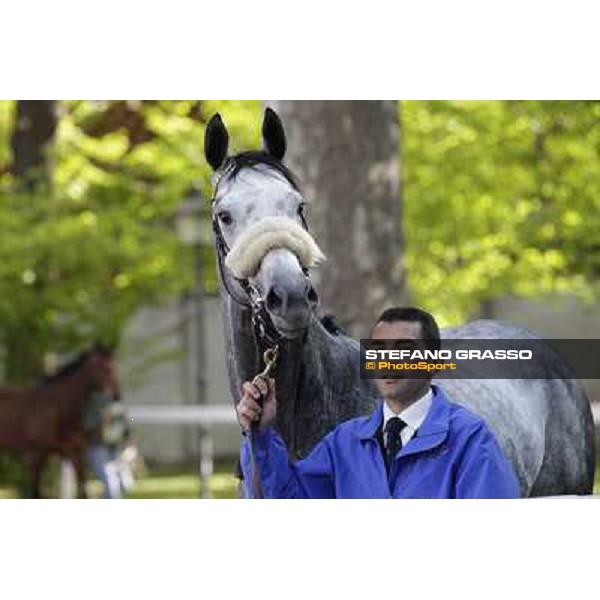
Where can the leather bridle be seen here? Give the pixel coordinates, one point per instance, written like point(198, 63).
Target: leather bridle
point(265, 332)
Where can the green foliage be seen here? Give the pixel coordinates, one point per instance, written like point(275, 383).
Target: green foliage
point(500, 198)
point(79, 257)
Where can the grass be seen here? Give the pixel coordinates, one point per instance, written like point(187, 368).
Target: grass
point(161, 483)
point(186, 485)
point(7, 492)
point(164, 483)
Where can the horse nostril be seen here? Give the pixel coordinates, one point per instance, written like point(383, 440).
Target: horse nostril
point(274, 300)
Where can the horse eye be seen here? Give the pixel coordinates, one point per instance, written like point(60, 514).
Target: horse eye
point(225, 217)
point(301, 207)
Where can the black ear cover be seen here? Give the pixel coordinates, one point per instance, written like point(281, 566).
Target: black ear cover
point(273, 134)
point(216, 142)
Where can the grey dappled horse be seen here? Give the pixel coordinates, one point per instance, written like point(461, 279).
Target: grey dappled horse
point(545, 426)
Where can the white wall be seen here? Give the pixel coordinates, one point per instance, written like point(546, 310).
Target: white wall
point(158, 365)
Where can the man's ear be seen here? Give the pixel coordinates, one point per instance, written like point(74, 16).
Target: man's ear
point(216, 142)
point(273, 135)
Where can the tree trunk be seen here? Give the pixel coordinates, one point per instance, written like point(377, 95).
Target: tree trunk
point(32, 137)
point(33, 134)
point(346, 156)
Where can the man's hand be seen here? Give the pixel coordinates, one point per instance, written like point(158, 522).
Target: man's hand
point(248, 408)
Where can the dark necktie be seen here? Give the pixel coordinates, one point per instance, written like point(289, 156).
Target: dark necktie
point(393, 441)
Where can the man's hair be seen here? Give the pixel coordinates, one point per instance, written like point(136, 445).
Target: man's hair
point(429, 328)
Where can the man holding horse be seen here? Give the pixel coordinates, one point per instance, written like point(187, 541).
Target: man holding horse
point(416, 444)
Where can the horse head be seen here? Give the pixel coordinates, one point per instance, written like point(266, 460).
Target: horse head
point(98, 369)
point(263, 244)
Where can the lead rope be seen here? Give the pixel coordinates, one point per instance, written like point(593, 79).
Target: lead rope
point(270, 360)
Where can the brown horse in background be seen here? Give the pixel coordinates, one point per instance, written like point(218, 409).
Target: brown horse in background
point(48, 419)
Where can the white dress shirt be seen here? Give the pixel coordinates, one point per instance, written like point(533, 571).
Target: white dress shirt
point(413, 415)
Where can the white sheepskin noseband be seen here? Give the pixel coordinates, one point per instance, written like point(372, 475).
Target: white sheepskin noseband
point(247, 253)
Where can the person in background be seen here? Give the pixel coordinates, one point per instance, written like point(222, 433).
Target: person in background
point(107, 434)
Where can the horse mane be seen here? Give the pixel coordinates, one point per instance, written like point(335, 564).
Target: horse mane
point(75, 363)
point(251, 159)
point(67, 369)
point(330, 324)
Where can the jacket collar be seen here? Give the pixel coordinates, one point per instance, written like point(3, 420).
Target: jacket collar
point(432, 432)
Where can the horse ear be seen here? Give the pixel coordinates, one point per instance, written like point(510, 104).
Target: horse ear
point(273, 134)
point(216, 142)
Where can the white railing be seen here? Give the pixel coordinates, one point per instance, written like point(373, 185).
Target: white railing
point(204, 417)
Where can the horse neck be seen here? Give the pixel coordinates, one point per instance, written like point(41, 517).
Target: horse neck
point(70, 392)
point(318, 386)
point(242, 357)
point(302, 382)
point(301, 389)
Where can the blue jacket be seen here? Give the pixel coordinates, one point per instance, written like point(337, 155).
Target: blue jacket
point(452, 455)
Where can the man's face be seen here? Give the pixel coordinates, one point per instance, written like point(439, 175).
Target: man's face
point(399, 335)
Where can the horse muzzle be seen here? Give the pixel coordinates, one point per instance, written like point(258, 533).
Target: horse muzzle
point(291, 303)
